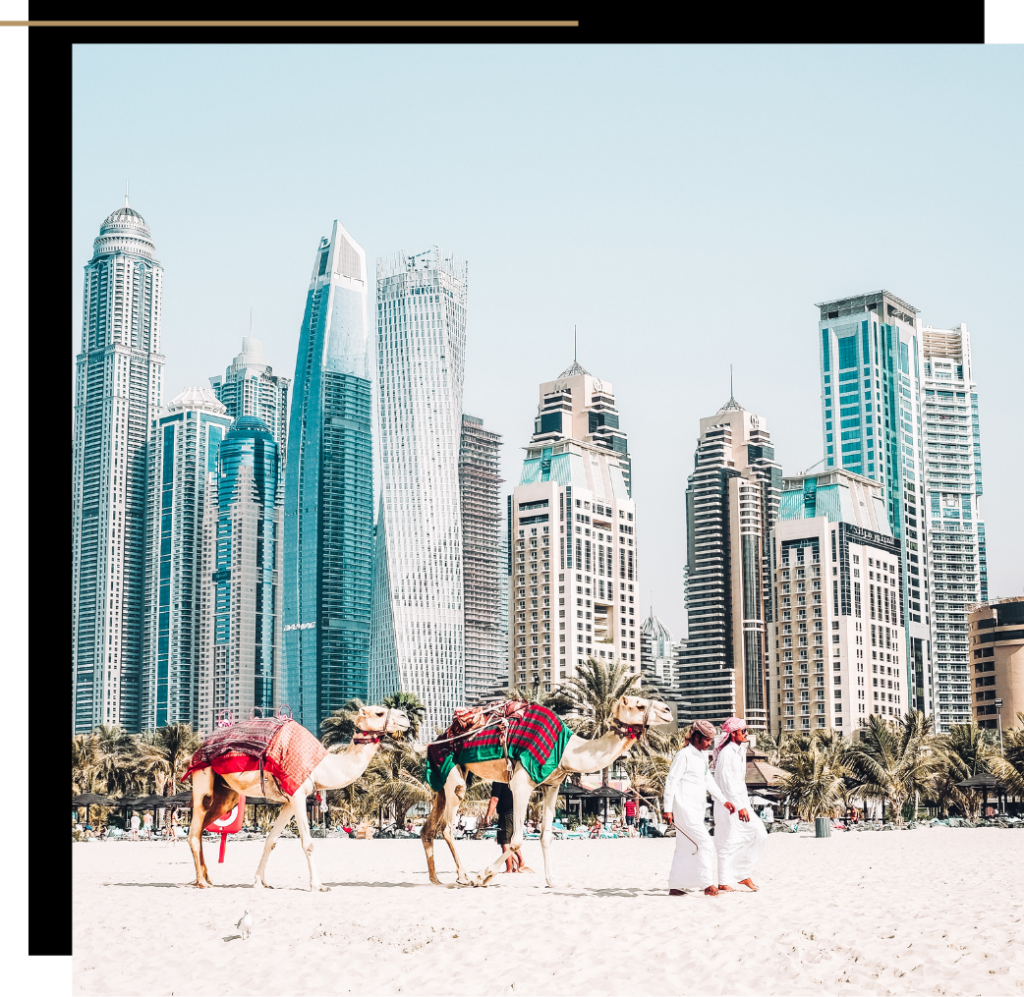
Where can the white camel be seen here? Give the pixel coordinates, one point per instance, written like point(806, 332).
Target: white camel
point(632, 717)
point(215, 795)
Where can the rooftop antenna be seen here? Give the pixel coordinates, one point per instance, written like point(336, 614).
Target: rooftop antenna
point(730, 382)
point(574, 343)
point(126, 192)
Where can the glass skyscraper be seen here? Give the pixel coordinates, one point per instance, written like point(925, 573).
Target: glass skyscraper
point(870, 366)
point(117, 399)
point(418, 640)
point(328, 503)
point(241, 578)
point(956, 534)
point(185, 445)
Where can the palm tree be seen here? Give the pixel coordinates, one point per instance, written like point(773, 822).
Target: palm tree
point(965, 751)
point(1010, 767)
point(113, 768)
point(149, 763)
point(816, 783)
point(593, 692)
point(82, 762)
point(394, 779)
point(893, 759)
point(414, 708)
point(340, 727)
point(166, 752)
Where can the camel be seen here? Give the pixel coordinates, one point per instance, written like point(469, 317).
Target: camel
point(214, 795)
point(632, 717)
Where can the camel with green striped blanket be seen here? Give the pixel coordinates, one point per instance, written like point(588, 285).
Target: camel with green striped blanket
point(529, 747)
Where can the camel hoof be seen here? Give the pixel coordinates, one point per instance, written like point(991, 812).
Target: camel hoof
point(202, 884)
point(319, 888)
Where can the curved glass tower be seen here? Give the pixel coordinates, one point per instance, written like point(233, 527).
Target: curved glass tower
point(418, 636)
point(117, 400)
point(328, 504)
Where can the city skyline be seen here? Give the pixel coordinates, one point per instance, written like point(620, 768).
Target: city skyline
point(660, 139)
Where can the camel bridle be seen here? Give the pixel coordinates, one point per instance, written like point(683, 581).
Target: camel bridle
point(373, 736)
point(634, 731)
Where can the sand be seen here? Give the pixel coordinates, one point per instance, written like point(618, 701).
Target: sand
point(936, 911)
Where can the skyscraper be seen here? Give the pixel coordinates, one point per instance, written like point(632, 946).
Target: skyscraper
point(185, 445)
point(117, 398)
point(732, 501)
point(956, 534)
point(418, 642)
point(572, 515)
point(838, 630)
point(658, 650)
point(871, 424)
point(249, 386)
point(241, 578)
point(484, 556)
point(328, 503)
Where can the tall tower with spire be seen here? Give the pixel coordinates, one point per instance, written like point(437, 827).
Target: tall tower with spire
point(117, 400)
point(732, 501)
point(574, 566)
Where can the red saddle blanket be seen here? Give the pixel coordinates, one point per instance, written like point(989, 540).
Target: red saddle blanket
point(288, 751)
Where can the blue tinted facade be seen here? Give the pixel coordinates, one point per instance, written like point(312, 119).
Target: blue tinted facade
point(328, 520)
point(244, 557)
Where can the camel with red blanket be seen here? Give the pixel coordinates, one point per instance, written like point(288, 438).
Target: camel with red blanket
point(525, 745)
point(279, 759)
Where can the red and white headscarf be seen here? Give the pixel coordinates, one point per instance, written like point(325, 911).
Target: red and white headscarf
point(733, 723)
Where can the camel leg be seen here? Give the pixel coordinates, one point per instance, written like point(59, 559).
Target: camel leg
point(546, 834)
point(454, 790)
point(202, 797)
point(521, 786)
point(427, 833)
point(298, 803)
point(282, 818)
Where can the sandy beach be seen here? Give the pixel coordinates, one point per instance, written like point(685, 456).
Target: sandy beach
point(935, 911)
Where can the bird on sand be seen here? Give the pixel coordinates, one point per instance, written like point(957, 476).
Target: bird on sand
point(245, 924)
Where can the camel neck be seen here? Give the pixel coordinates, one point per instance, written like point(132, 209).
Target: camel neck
point(339, 768)
point(589, 756)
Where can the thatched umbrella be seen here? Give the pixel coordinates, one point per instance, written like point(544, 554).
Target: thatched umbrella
point(606, 793)
point(984, 782)
point(88, 800)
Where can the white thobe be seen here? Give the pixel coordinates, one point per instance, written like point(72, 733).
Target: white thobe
point(739, 843)
point(686, 788)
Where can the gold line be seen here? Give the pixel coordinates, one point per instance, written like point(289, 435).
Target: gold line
point(289, 24)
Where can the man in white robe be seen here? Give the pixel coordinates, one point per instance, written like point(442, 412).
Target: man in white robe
point(687, 785)
point(740, 834)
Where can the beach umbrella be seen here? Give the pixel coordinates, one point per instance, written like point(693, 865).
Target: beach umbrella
point(984, 782)
point(571, 789)
point(606, 793)
point(90, 800)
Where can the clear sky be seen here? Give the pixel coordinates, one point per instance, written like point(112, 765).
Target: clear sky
point(684, 207)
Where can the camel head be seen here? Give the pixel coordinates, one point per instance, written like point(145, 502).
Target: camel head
point(631, 711)
point(371, 720)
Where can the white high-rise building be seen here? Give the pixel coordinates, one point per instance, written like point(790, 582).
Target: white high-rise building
point(573, 529)
point(117, 400)
point(185, 445)
point(956, 542)
point(417, 641)
point(839, 623)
